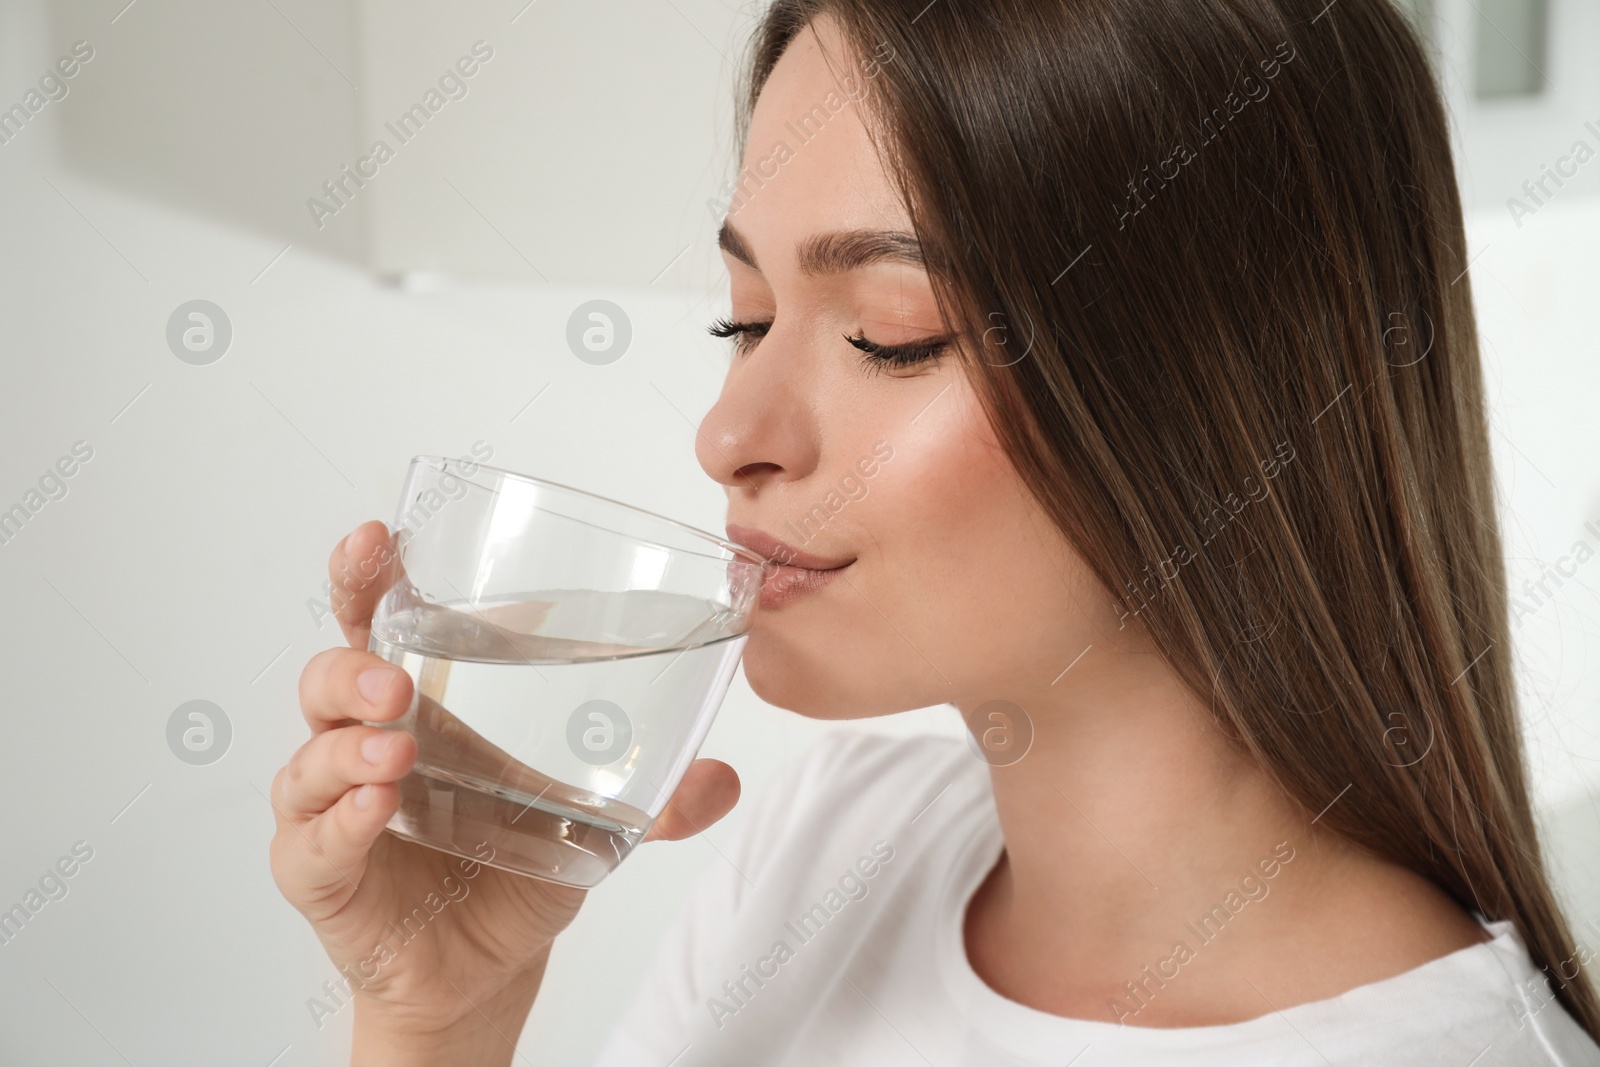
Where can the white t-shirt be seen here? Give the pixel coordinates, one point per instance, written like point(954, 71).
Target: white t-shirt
point(831, 933)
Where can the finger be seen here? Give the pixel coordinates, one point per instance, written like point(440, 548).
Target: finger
point(361, 569)
point(341, 686)
point(325, 768)
point(709, 790)
point(318, 865)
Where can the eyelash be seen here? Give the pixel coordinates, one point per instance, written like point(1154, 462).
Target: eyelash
point(875, 357)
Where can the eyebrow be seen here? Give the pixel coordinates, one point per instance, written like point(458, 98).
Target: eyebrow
point(836, 252)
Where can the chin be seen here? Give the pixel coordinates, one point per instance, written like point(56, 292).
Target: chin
point(815, 691)
point(783, 686)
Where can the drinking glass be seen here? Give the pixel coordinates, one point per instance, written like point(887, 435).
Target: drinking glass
point(568, 654)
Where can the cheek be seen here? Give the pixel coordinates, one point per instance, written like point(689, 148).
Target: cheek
point(963, 590)
point(947, 489)
point(873, 641)
point(979, 578)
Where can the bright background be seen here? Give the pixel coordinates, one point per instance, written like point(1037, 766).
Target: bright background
point(430, 314)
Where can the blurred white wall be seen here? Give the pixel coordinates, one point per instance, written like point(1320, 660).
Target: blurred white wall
point(1505, 140)
point(573, 143)
point(178, 565)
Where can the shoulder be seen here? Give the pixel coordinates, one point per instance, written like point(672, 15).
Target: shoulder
point(848, 782)
point(819, 834)
point(1487, 1004)
point(841, 757)
point(842, 768)
point(1538, 1029)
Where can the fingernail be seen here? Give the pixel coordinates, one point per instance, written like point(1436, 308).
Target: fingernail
point(375, 682)
point(373, 748)
point(364, 797)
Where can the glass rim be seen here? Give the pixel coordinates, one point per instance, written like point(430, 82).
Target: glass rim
point(743, 554)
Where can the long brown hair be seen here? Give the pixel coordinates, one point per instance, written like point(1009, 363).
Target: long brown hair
point(1211, 252)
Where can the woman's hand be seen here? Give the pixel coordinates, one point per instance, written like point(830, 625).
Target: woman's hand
point(466, 982)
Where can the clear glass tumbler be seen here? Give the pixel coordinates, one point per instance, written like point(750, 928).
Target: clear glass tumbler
point(569, 654)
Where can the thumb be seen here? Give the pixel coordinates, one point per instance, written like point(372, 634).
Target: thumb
point(709, 790)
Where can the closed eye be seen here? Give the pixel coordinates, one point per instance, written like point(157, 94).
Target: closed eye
point(879, 357)
point(876, 357)
point(748, 333)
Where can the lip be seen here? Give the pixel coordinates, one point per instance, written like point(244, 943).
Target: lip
point(780, 552)
point(795, 573)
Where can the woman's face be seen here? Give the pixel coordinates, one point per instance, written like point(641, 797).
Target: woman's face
point(957, 588)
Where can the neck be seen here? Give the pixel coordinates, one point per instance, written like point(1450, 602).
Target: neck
point(1131, 825)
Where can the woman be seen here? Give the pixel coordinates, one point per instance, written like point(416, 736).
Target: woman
point(1149, 320)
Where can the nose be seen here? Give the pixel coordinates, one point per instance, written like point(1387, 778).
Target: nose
point(764, 428)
